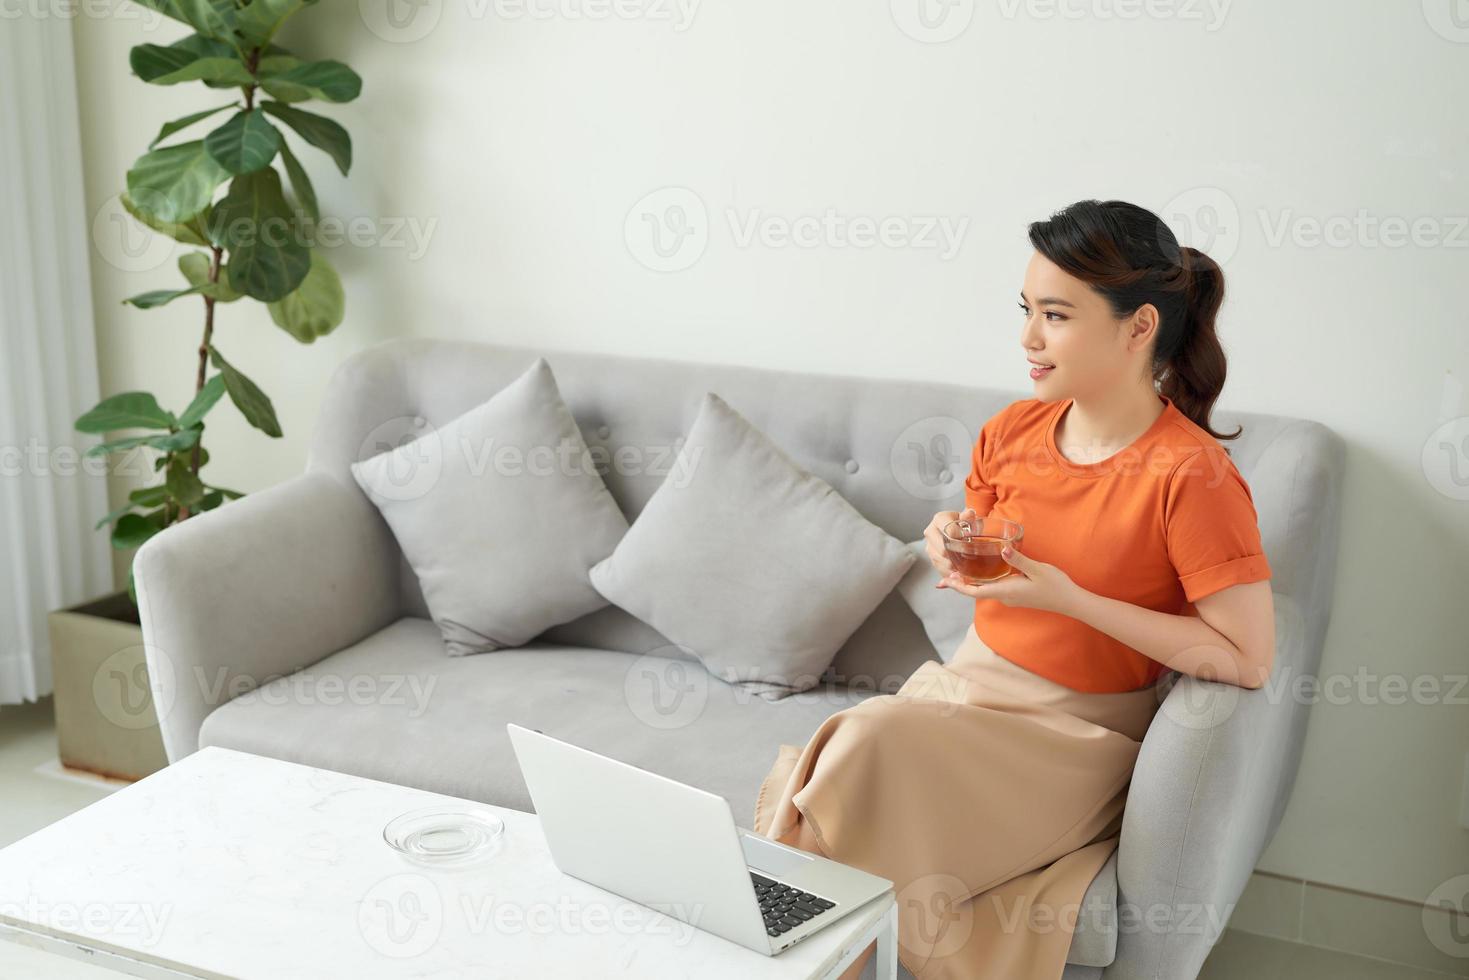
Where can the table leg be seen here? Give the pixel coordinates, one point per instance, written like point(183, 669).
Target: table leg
point(882, 936)
point(886, 956)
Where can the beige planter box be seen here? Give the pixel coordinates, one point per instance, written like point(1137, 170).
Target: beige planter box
point(105, 722)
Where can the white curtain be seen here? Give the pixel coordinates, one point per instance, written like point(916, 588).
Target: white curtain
point(49, 555)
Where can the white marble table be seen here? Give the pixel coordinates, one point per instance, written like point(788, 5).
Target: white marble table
point(227, 864)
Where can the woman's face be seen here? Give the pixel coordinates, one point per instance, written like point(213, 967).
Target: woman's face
point(1069, 326)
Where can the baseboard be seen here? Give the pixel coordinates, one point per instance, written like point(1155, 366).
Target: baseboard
point(1346, 920)
point(55, 770)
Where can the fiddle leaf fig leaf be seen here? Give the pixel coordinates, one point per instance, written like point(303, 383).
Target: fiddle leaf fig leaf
point(158, 297)
point(267, 257)
point(190, 232)
point(212, 391)
point(183, 483)
point(300, 183)
point(316, 307)
point(245, 143)
point(160, 65)
point(131, 530)
point(124, 509)
point(169, 128)
point(212, 18)
point(148, 497)
point(129, 410)
point(247, 396)
point(175, 183)
point(319, 131)
point(330, 81)
point(169, 443)
point(258, 20)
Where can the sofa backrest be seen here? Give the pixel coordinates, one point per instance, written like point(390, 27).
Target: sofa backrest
point(898, 450)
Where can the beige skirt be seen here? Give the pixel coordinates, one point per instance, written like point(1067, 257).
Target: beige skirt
point(990, 796)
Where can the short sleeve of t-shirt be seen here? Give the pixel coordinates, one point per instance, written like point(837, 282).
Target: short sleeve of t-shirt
point(979, 493)
point(1212, 530)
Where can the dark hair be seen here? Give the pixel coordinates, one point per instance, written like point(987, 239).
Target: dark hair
point(1130, 256)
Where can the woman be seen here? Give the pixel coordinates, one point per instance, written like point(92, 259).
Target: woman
point(990, 789)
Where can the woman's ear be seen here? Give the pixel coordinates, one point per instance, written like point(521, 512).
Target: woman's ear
point(1142, 327)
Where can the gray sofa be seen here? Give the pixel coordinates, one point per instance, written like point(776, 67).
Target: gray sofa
point(302, 589)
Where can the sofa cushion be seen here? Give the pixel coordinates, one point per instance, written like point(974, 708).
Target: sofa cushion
point(500, 513)
point(752, 562)
point(393, 707)
point(1094, 940)
point(945, 614)
point(887, 647)
point(885, 650)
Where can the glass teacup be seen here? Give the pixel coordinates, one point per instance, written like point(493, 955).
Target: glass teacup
point(973, 547)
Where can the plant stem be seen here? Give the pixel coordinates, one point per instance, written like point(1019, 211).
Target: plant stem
point(194, 456)
point(216, 254)
point(252, 64)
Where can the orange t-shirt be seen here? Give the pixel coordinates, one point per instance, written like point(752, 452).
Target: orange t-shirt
point(1159, 524)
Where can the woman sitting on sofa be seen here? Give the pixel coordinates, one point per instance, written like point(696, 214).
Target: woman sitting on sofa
point(990, 789)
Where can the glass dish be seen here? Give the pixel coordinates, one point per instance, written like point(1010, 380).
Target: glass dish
point(446, 836)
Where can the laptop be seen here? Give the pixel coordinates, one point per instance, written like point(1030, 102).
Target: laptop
point(675, 848)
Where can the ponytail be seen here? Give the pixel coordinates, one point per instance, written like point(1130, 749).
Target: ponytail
point(1192, 373)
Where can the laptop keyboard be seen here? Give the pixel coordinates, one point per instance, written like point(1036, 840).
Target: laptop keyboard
point(783, 907)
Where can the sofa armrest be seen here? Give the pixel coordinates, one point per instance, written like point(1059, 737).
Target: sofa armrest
point(257, 588)
point(1210, 785)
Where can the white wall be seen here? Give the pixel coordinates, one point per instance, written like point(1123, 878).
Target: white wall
point(524, 143)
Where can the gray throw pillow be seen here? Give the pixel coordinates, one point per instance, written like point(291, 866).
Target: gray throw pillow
point(500, 513)
point(946, 615)
point(751, 563)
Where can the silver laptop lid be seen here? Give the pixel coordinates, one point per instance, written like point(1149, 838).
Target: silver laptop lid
point(671, 847)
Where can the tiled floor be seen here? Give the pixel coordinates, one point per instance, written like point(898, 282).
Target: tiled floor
point(32, 800)
point(29, 801)
point(1244, 956)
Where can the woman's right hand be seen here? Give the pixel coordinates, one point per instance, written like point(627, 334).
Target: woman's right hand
point(935, 540)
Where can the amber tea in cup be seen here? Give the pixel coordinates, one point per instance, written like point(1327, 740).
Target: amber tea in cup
point(973, 547)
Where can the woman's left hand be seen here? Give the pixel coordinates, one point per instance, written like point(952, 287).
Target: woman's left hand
point(1033, 585)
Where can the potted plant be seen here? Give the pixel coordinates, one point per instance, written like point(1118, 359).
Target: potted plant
point(222, 195)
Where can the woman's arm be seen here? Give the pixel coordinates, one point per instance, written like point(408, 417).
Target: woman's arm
point(1231, 640)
